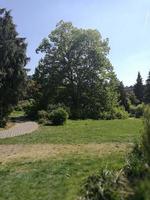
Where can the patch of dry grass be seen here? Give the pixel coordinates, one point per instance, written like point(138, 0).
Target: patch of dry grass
point(15, 152)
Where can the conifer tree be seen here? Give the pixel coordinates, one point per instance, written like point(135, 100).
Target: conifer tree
point(139, 88)
point(12, 65)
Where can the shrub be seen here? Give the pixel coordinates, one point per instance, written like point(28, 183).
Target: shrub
point(42, 114)
point(52, 107)
point(22, 105)
point(43, 121)
point(120, 113)
point(106, 115)
point(43, 117)
point(137, 111)
point(106, 186)
point(142, 190)
point(115, 113)
point(58, 116)
point(146, 134)
point(135, 167)
point(31, 110)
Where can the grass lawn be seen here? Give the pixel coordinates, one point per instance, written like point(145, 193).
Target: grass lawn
point(83, 132)
point(51, 179)
point(53, 162)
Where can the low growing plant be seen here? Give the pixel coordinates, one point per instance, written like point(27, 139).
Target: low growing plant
point(58, 116)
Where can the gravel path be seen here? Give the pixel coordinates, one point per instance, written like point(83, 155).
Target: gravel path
point(21, 128)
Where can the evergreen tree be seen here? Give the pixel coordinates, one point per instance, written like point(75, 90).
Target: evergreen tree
point(147, 90)
point(139, 88)
point(75, 71)
point(12, 62)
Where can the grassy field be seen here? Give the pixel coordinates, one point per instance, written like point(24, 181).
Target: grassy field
point(54, 161)
point(83, 132)
point(51, 179)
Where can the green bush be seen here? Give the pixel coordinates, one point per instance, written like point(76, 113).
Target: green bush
point(120, 113)
point(135, 168)
point(146, 134)
point(22, 105)
point(106, 115)
point(142, 190)
point(42, 114)
point(115, 113)
point(106, 186)
point(43, 121)
point(58, 116)
point(43, 117)
point(31, 110)
point(52, 107)
point(137, 111)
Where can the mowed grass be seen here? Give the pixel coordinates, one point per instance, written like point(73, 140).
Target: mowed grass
point(61, 176)
point(52, 179)
point(83, 132)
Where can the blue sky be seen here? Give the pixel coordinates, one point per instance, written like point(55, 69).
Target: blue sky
point(126, 24)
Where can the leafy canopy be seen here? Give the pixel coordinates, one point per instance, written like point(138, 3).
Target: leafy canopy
point(75, 71)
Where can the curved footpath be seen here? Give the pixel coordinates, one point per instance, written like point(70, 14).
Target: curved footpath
point(21, 128)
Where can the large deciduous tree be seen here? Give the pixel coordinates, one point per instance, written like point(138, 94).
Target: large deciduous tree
point(139, 88)
point(12, 62)
point(75, 71)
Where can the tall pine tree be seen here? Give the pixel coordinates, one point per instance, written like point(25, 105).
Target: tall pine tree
point(139, 88)
point(147, 90)
point(12, 65)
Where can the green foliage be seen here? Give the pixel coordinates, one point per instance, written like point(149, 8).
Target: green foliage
point(137, 111)
point(108, 185)
point(22, 105)
point(115, 113)
point(31, 110)
point(43, 121)
point(146, 134)
point(12, 65)
point(58, 116)
point(43, 117)
point(123, 99)
point(139, 88)
point(142, 190)
point(120, 113)
point(101, 187)
point(52, 107)
point(133, 99)
point(76, 72)
point(42, 114)
point(135, 168)
point(147, 90)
